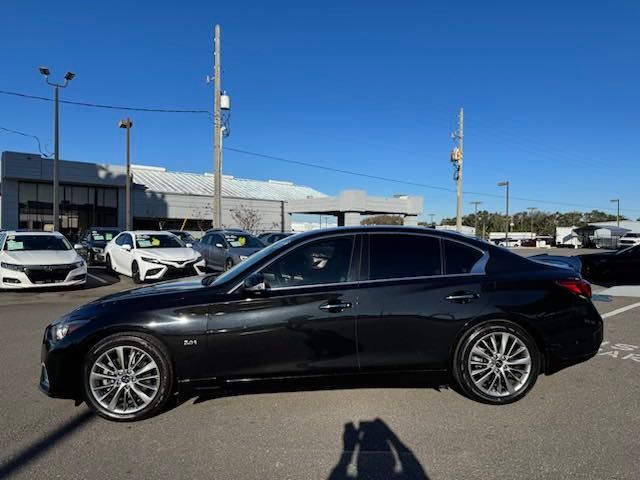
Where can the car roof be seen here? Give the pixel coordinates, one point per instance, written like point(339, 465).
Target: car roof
point(148, 232)
point(32, 232)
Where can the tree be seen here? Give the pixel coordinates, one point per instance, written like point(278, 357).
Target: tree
point(383, 220)
point(249, 219)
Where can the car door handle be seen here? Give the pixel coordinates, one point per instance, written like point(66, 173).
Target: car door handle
point(335, 307)
point(462, 297)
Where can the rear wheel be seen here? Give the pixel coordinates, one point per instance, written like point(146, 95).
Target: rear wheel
point(497, 363)
point(135, 272)
point(127, 377)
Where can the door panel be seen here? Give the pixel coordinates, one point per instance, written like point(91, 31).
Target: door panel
point(283, 333)
point(413, 323)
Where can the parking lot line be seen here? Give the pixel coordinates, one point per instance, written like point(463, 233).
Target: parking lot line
point(101, 280)
point(621, 310)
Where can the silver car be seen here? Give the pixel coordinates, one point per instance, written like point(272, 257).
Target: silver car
point(222, 249)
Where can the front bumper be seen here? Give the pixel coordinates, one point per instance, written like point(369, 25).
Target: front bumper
point(15, 280)
point(158, 271)
point(60, 370)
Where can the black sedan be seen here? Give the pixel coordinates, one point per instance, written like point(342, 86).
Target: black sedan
point(619, 266)
point(330, 304)
point(92, 241)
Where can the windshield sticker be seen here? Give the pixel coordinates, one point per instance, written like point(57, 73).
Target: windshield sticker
point(143, 243)
point(13, 245)
point(98, 237)
point(155, 242)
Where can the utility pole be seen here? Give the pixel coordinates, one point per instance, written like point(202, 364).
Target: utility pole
point(457, 156)
point(506, 230)
point(617, 200)
point(431, 215)
point(217, 132)
point(531, 210)
point(44, 71)
point(475, 216)
point(127, 124)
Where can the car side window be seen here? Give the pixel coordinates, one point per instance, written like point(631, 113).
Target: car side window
point(403, 256)
point(215, 239)
point(460, 258)
point(126, 240)
point(319, 262)
point(120, 239)
point(206, 240)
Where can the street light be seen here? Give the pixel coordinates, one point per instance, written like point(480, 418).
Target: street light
point(45, 72)
point(127, 124)
point(617, 200)
point(506, 230)
point(475, 216)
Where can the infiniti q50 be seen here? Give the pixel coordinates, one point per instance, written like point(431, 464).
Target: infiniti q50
point(349, 303)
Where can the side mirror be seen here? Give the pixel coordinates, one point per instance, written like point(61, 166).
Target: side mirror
point(255, 283)
point(219, 245)
point(126, 247)
point(77, 246)
point(189, 245)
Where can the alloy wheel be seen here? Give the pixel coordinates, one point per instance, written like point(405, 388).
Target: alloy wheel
point(124, 379)
point(499, 364)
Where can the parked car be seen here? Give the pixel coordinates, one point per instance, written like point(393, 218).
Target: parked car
point(617, 266)
point(222, 249)
point(148, 255)
point(183, 235)
point(39, 259)
point(330, 304)
point(92, 241)
point(629, 239)
point(270, 237)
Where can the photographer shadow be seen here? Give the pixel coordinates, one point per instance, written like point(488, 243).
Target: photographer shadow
point(373, 451)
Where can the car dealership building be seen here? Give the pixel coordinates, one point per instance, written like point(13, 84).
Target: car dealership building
point(94, 195)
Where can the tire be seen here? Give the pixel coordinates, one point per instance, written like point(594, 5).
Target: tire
point(109, 266)
point(228, 264)
point(496, 373)
point(137, 398)
point(135, 273)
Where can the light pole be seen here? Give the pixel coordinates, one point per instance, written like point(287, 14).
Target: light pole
point(44, 71)
point(431, 215)
point(127, 124)
point(617, 200)
point(475, 216)
point(506, 230)
point(531, 210)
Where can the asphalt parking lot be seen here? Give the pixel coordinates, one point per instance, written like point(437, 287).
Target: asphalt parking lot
point(583, 422)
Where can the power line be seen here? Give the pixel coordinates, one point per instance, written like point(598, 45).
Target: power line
point(110, 107)
point(407, 182)
point(28, 135)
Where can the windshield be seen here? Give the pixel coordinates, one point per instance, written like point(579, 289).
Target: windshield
point(22, 243)
point(628, 249)
point(158, 241)
point(103, 235)
point(184, 236)
point(242, 240)
point(247, 264)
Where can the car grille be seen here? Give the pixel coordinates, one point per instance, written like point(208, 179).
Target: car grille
point(47, 273)
point(180, 272)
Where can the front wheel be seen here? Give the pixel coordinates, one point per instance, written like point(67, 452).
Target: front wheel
point(135, 273)
point(228, 264)
point(497, 363)
point(127, 377)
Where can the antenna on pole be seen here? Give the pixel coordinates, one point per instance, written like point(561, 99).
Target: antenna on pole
point(457, 156)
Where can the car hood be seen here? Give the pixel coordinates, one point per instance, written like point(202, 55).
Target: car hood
point(169, 254)
point(165, 288)
point(41, 257)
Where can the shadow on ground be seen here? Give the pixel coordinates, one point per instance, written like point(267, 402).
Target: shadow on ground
point(39, 447)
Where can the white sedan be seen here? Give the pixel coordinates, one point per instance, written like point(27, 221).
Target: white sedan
point(147, 255)
point(39, 259)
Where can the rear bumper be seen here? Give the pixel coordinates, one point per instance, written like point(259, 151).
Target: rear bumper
point(579, 346)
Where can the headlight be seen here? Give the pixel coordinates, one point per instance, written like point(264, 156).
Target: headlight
point(243, 257)
point(198, 258)
point(63, 329)
point(11, 266)
point(78, 264)
point(97, 250)
point(149, 259)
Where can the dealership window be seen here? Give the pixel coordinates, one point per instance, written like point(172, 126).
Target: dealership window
point(80, 207)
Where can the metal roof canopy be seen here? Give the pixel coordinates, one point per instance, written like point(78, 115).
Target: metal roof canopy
point(591, 229)
point(357, 201)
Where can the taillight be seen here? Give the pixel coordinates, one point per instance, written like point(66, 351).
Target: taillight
point(577, 286)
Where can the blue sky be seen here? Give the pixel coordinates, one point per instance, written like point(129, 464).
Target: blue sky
point(550, 91)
